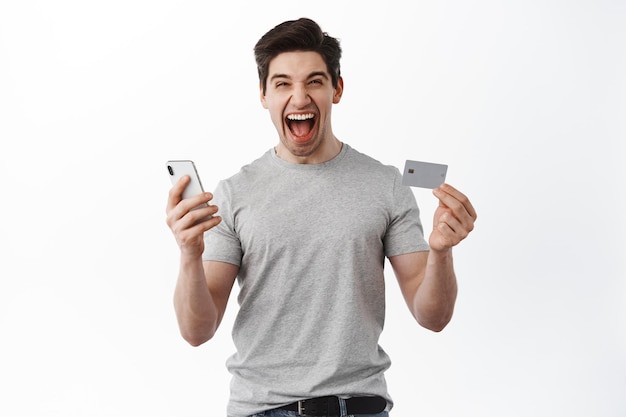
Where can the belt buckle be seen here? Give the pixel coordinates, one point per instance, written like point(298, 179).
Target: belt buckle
point(313, 408)
point(301, 408)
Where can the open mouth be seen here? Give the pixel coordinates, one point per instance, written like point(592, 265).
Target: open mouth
point(301, 125)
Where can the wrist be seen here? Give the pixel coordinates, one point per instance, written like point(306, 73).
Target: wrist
point(441, 253)
point(190, 257)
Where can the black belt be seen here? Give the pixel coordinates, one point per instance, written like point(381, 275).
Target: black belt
point(329, 406)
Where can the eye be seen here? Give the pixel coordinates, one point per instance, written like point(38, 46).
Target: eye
point(316, 82)
point(281, 84)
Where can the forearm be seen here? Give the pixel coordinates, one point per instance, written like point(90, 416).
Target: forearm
point(435, 298)
point(196, 311)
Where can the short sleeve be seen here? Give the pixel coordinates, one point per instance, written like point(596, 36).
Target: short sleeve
point(222, 243)
point(405, 233)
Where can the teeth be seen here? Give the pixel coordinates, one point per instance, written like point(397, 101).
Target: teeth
point(306, 116)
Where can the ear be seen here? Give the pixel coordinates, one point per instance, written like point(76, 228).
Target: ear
point(262, 96)
point(338, 91)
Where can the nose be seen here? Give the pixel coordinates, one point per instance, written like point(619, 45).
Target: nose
point(300, 97)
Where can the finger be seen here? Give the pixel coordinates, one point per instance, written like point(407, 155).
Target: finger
point(192, 227)
point(209, 223)
point(455, 216)
point(175, 194)
point(202, 199)
point(185, 213)
point(443, 237)
point(449, 203)
point(198, 215)
point(451, 197)
point(462, 198)
point(447, 219)
point(447, 235)
point(452, 227)
point(195, 233)
point(182, 217)
point(184, 206)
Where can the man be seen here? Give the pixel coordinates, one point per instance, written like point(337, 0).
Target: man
point(307, 240)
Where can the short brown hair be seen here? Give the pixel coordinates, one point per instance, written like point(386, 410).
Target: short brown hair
point(297, 35)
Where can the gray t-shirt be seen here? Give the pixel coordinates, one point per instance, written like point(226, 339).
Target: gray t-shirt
point(310, 241)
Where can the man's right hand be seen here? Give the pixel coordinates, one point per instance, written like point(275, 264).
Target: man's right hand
point(181, 219)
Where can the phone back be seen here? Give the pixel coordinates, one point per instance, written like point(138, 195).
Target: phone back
point(180, 168)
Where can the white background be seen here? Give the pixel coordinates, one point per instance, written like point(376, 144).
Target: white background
point(525, 100)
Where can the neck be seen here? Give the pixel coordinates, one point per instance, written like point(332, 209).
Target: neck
point(322, 154)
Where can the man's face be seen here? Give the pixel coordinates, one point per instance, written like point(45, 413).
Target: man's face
point(299, 97)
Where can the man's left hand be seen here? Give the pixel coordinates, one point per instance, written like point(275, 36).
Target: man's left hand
point(454, 218)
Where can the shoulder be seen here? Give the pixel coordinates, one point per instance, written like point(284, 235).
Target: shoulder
point(247, 174)
point(373, 167)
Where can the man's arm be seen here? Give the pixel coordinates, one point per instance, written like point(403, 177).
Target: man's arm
point(428, 284)
point(201, 296)
point(202, 290)
point(427, 279)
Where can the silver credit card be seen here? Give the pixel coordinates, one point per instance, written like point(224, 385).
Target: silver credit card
point(424, 174)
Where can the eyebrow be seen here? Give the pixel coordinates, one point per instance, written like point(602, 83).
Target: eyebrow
point(311, 75)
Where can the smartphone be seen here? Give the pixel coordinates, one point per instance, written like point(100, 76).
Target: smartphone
point(180, 168)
